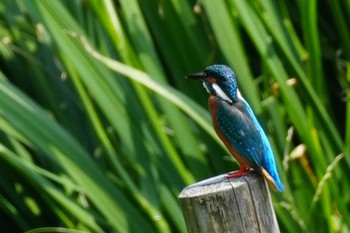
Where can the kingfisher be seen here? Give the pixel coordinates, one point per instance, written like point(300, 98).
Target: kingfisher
point(236, 125)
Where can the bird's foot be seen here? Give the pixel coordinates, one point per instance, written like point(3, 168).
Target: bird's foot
point(243, 171)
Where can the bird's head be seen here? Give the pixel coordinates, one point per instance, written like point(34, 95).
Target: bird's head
point(219, 80)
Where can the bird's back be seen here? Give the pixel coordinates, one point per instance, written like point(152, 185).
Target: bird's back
point(237, 125)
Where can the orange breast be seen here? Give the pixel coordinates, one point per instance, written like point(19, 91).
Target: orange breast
point(213, 111)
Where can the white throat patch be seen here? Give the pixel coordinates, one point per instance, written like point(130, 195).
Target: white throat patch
point(220, 93)
point(206, 88)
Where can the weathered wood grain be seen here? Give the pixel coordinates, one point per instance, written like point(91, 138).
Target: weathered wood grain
point(221, 205)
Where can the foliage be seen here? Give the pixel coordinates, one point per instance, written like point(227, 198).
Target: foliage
point(99, 131)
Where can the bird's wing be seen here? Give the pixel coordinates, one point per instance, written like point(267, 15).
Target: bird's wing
point(239, 125)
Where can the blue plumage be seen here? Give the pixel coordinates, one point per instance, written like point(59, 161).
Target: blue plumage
point(236, 124)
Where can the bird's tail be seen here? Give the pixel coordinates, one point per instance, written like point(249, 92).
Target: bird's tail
point(275, 182)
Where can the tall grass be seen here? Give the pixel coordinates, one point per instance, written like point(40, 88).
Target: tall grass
point(99, 131)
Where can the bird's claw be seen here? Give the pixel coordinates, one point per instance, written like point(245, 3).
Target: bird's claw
point(243, 171)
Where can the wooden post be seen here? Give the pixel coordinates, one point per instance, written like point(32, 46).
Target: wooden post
point(221, 205)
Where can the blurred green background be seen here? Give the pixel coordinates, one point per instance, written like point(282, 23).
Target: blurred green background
point(100, 132)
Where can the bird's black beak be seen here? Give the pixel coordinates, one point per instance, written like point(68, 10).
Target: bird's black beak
point(196, 76)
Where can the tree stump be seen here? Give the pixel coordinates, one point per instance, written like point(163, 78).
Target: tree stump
point(221, 205)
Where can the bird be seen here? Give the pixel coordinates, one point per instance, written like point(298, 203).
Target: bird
point(236, 125)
